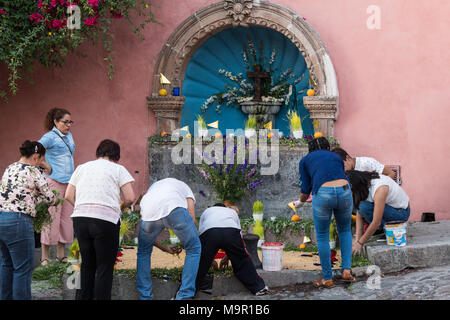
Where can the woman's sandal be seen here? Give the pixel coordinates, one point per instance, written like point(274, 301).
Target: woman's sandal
point(62, 260)
point(348, 277)
point(44, 262)
point(323, 283)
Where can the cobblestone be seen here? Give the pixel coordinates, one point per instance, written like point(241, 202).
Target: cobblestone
point(418, 284)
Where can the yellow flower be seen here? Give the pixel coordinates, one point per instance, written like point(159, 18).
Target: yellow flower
point(49, 33)
point(112, 9)
point(146, 5)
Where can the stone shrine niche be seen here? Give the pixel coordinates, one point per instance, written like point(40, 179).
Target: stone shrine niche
point(174, 59)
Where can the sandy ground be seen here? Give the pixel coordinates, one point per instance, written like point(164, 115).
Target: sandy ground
point(160, 259)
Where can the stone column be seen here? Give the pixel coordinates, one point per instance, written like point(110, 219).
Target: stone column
point(323, 109)
point(167, 111)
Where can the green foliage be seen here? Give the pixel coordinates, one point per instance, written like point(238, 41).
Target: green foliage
point(250, 123)
point(43, 217)
point(52, 273)
point(36, 31)
point(129, 221)
point(258, 207)
point(279, 225)
point(201, 122)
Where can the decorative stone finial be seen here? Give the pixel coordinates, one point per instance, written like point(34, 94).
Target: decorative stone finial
point(239, 10)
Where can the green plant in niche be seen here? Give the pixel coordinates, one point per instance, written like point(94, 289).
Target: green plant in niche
point(279, 225)
point(258, 207)
point(250, 123)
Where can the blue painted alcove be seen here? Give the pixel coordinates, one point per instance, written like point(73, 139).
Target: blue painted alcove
point(224, 51)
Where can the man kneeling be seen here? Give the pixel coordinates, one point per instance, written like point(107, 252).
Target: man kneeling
point(220, 228)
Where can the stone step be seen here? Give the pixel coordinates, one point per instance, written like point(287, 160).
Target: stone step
point(427, 245)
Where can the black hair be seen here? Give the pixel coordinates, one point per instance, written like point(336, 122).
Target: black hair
point(108, 148)
point(29, 148)
point(219, 204)
point(320, 143)
point(341, 153)
point(360, 182)
point(54, 114)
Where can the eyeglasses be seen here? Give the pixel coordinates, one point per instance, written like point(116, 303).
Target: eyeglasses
point(67, 122)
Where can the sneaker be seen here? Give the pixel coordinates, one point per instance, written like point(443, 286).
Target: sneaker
point(263, 291)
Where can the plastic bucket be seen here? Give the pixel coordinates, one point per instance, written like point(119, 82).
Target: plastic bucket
point(396, 234)
point(272, 256)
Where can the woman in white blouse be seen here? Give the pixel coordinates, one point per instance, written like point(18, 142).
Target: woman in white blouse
point(379, 200)
point(95, 191)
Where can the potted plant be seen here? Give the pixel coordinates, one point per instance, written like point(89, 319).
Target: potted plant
point(250, 128)
point(230, 181)
point(258, 229)
point(296, 124)
point(202, 129)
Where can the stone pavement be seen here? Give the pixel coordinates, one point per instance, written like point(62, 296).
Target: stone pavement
point(422, 284)
point(427, 249)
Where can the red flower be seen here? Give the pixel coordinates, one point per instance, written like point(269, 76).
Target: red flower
point(3, 12)
point(57, 24)
point(91, 21)
point(36, 17)
point(53, 3)
point(93, 3)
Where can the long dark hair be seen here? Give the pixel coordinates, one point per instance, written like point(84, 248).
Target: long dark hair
point(360, 181)
point(54, 114)
point(320, 143)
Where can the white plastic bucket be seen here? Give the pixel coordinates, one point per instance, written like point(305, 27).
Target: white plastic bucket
point(272, 256)
point(396, 234)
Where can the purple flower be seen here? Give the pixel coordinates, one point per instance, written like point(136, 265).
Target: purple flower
point(202, 193)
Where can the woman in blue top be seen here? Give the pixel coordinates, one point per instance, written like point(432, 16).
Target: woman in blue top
point(60, 147)
point(322, 174)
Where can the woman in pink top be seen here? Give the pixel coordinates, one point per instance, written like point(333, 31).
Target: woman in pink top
point(23, 186)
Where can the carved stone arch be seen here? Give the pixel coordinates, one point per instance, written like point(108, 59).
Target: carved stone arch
point(189, 36)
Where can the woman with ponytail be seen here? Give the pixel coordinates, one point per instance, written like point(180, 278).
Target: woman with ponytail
point(60, 147)
point(22, 187)
point(322, 174)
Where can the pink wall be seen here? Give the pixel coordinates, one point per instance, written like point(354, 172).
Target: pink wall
point(392, 83)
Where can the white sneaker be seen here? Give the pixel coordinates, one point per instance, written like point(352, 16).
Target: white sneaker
point(263, 291)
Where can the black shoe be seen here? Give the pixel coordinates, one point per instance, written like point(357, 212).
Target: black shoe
point(263, 291)
point(206, 284)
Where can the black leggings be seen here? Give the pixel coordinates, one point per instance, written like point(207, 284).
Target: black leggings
point(99, 243)
point(229, 240)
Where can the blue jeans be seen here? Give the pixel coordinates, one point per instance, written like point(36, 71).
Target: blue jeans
point(182, 225)
point(326, 201)
point(16, 260)
point(390, 214)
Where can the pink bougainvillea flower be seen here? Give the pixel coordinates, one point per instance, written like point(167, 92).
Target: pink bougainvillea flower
point(53, 3)
point(57, 24)
point(116, 15)
point(36, 17)
point(90, 21)
point(39, 5)
point(93, 3)
point(3, 12)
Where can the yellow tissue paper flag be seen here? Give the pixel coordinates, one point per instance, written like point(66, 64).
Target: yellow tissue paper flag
point(268, 125)
point(214, 124)
point(163, 79)
point(306, 239)
point(186, 128)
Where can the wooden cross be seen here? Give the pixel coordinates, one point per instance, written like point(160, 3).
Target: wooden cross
point(257, 76)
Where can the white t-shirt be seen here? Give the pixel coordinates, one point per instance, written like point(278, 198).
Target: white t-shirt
point(162, 197)
point(368, 164)
point(396, 198)
point(97, 185)
point(218, 217)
